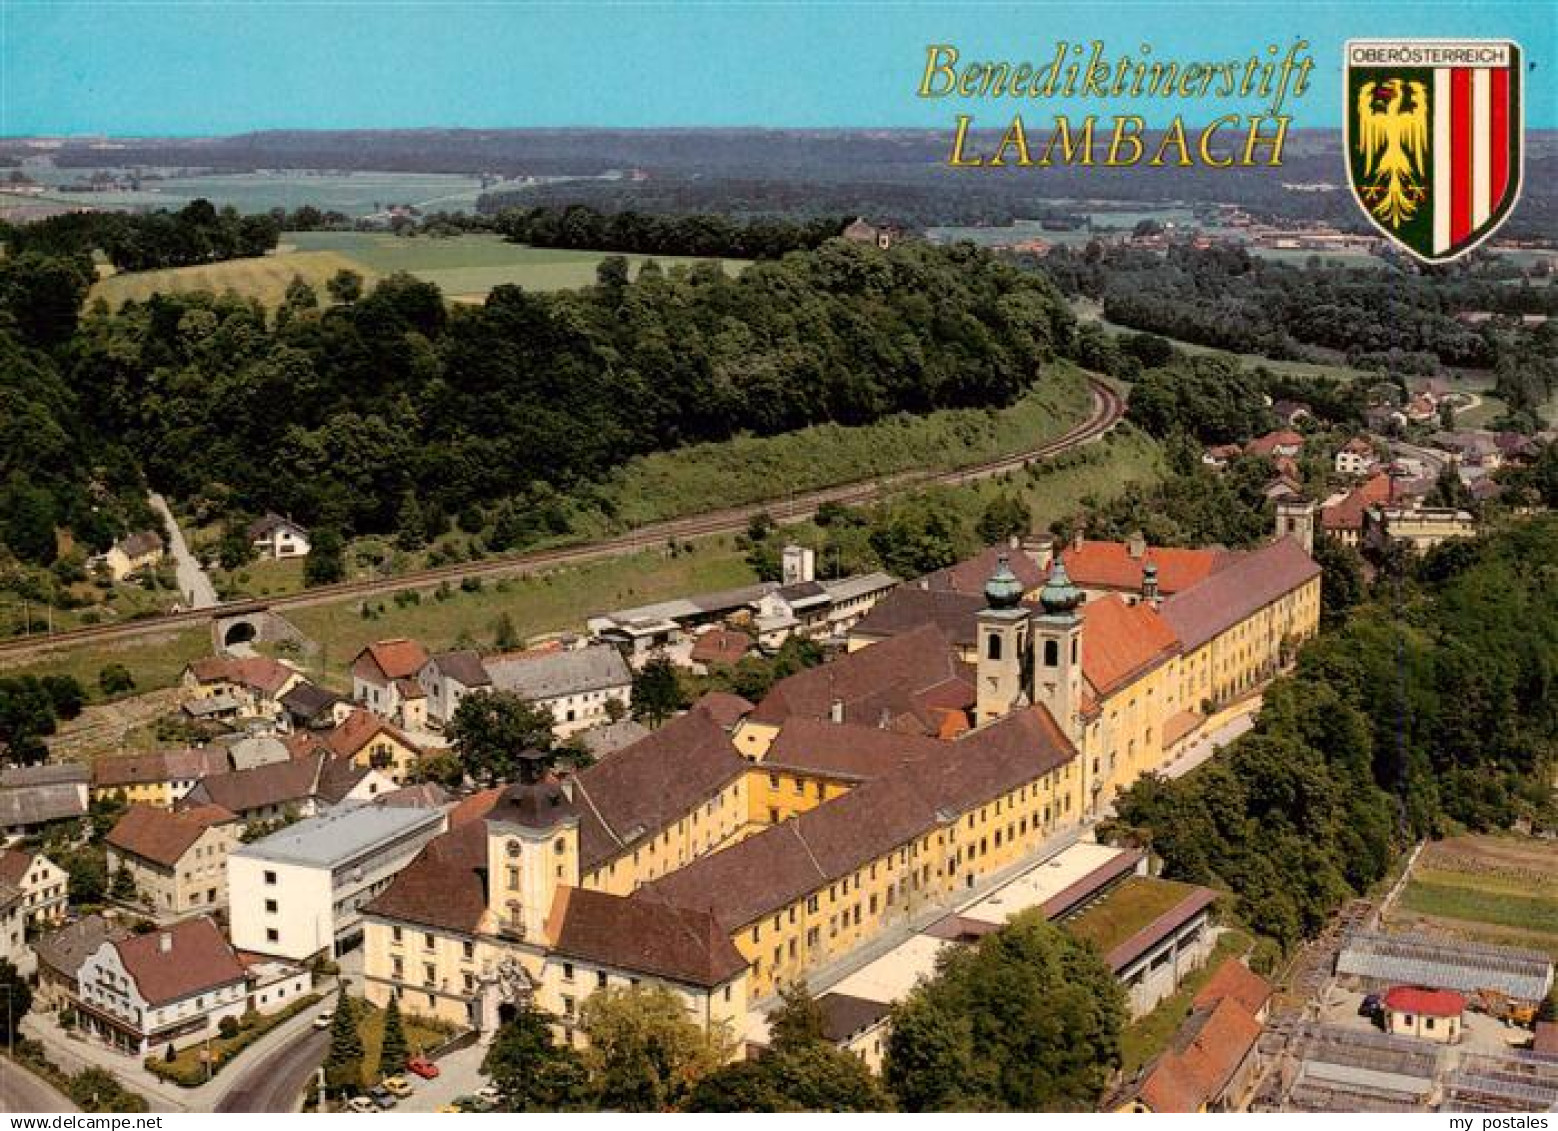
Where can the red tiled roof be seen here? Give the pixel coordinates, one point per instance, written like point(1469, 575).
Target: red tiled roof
point(157, 766)
point(1348, 514)
point(162, 836)
point(1233, 979)
point(1271, 441)
point(970, 576)
point(840, 750)
point(386, 660)
point(684, 945)
point(1429, 1003)
point(1121, 641)
point(475, 807)
point(1110, 565)
point(14, 864)
point(258, 672)
point(1235, 592)
point(1207, 1052)
point(721, 646)
point(908, 607)
point(276, 783)
point(180, 961)
point(360, 728)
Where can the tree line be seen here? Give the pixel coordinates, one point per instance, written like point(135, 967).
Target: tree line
point(197, 233)
point(706, 234)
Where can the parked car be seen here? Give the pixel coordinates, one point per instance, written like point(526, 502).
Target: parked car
point(362, 1105)
point(381, 1099)
point(472, 1103)
point(325, 1019)
point(489, 1093)
point(1370, 1006)
point(397, 1086)
point(421, 1066)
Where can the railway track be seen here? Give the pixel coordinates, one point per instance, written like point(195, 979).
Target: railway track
point(1106, 410)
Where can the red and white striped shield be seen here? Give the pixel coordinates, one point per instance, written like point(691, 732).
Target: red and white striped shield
point(1433, 139)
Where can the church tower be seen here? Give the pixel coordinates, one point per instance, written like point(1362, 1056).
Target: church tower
point(1002, 640)
point(1296, 519)
point(532, 850)
point(1057, 652)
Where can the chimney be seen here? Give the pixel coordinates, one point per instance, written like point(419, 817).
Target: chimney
point(1137, 546)
point(165, 942)
point(1013, 542)
point(836, 711)
point(1149, 584)
point(1076, 537)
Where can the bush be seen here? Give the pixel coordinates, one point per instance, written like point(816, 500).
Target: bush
point(115, 679)
point(228, 1027)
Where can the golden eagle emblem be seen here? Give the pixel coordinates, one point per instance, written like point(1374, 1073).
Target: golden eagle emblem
point(1394, 144)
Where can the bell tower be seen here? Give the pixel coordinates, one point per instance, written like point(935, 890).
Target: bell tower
point(1057, 652)
point(532, 850)
point(1296, 519)
point(1002, 641)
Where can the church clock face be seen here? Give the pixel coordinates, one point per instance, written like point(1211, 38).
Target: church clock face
point(513, 849)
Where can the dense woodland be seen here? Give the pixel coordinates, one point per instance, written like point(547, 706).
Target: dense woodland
point(395, 412)
point(196, 233)
point(1434, 704)
point(709, 235)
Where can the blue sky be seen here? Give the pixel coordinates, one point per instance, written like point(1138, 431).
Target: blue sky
point(130, 67)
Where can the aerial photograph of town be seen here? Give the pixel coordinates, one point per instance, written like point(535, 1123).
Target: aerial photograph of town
point(763, 557)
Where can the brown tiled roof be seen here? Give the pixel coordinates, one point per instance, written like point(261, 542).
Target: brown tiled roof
point(162, 836)
point(629, 797)
point(784, 862)
point(258, 672)
point(1236, 980)
point(909, 680)
point(445, 886)
point(158, 766)
point(1121, 642)
point(360, 728)
point(475, 807)
point(683, 945)
point(721, 646)
point(1348, 514)
point(1207, 1050)
point(723, 707)
point(1546, 1040)
point(1233, 594)
point(908, 607)
point(64, 950)
point(14, 864)
point(464, 667)
point(845, 1016)
point(197, 958)
point(1271, 441)
point(385, 660)
point(969, 576)
point(1110, 565)
point(839, 750)
point(426, 795)
point(275, 784)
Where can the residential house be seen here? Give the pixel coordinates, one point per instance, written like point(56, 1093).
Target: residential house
point(278, 538)
point(719, 648)
point(1341, 518)
point(177, 860)
point(34, 798)
point(1356, 457)
point(384, 679)
point(44, 885)
point(13, 927)
point(1292, 413)
point(309, 707)
point(161, 777)
point(299, 787)
point(1416, 527)
point(857, 1025)
point(861, 232)
point(574, 685)
point(1218, 456)
point(300, 891)
point(1283, 442)
point(1431, 1015)
point(60, 955)
point(169, 987)
point(448, 678)
point(133, 554)
point(366, 740)
point(232, 687)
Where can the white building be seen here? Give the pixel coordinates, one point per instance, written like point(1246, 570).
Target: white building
point(45, 886)
point(574, 685)
point(170, 986)
point(300, 891)
point(276, 538)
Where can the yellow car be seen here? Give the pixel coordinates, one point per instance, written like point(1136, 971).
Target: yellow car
point(449, 1109)
point(398, 1086)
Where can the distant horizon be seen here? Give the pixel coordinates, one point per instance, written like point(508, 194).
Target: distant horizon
point(163, 69)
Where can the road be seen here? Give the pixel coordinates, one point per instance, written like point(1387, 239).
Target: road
point(195, 587)
point(275, 1083)
point(1107, 408)
point(20, 1090)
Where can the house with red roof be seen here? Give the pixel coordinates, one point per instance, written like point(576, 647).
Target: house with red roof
point(1283, 442)
point(385, 680)
point(1431, 1015)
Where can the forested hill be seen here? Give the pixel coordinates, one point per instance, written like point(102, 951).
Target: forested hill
point(395, 409)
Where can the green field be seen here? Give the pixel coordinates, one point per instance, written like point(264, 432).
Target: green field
point(265, 278)
point(1482, 899)
point(154, 662)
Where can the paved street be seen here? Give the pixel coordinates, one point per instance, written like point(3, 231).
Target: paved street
point(20, 1090)
point(195, 588)
point(459, 1074)
point(276, 1083)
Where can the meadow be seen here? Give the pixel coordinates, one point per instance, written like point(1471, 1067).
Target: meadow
point(1499, 889)
point(265, 278)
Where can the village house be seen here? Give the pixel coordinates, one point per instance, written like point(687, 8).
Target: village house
point(13, 927)
point(132, 554)
point(177, 861)
point(299, 787)
point(449, 677)
point(44, 885)
point(1431, 1015)
point(371, 743)
point(309, 707)
point(384, 679)
point(160, 778)
point(229, 687)
point(1342, 518)
point(861, 232)
point(1284, 442)
point(1356, 457)
point(35, 798)
point(60, 955)
point(276, 538)
point(574, 685)
point(170, 986)
point(1416, 527)
point(1219, 456)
